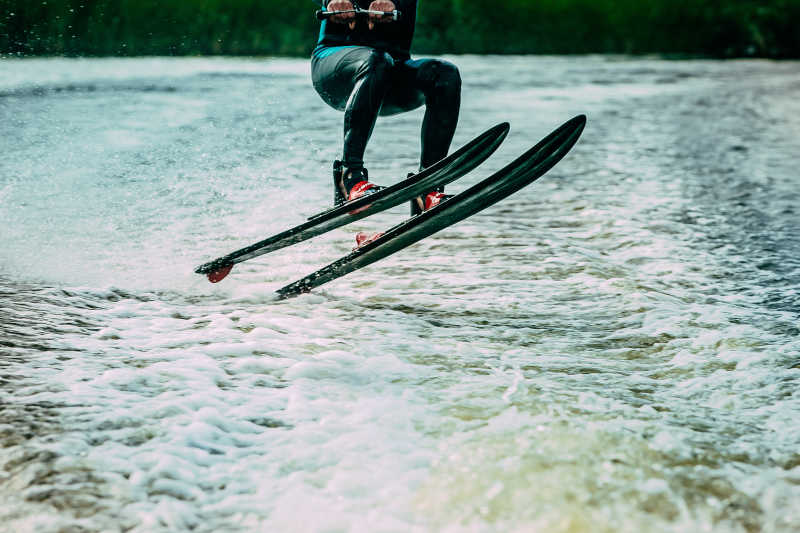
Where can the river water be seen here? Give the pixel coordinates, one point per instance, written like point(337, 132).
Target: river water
point(613, 349)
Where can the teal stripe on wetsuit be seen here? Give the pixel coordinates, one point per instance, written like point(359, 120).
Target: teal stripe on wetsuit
point(324, 51)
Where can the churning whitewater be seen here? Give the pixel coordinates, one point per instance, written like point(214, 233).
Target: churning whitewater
point(613, 349)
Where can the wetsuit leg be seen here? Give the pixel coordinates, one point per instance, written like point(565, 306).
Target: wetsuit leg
point(364, 83)
point(437, 84)
point(353, 79)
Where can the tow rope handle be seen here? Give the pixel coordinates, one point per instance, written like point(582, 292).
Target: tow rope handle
point(394, 15)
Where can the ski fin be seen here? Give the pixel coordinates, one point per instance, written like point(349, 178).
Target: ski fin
point(218, 275)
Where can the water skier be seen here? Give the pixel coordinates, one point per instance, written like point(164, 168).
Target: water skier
point(362, 66)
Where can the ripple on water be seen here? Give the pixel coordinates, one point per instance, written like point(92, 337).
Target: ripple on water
point(612, 349)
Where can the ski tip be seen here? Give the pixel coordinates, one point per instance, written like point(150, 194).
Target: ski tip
point(215, 276)
point(499, 130)
point(580, 123)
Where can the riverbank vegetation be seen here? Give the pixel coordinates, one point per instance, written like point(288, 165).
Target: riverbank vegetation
point(715, 28)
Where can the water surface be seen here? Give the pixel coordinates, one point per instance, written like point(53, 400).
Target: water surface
point(615, 348)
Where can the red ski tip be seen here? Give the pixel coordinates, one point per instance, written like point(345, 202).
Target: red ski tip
point(363, 238)
point(219, 275)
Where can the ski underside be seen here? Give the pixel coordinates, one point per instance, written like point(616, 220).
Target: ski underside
point(437, 175)
point(521, 172)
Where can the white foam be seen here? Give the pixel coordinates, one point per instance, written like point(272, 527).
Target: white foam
point(580, 357)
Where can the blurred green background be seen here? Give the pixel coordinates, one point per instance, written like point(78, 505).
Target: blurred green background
point(716, 28)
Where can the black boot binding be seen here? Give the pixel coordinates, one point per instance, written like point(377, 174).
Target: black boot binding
point(338, 187)
point(344, 179)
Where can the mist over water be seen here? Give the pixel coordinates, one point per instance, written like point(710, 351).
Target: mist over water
point(614, 348)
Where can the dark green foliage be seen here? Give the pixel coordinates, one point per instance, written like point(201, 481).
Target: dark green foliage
point(267, 27)
point(719, 28)
point(142, 27)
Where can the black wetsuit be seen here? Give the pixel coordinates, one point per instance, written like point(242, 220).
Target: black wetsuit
point(367, 73)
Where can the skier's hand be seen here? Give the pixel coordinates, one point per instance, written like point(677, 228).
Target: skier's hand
point(380, 5)
point(342, 5)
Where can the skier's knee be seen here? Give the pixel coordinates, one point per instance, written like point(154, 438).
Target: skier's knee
point(442, 77)
point(449, 78)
